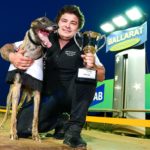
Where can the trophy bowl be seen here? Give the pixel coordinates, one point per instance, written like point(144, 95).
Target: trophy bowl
point(91, 41)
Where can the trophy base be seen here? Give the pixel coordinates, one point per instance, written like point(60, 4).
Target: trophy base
point(86, 75)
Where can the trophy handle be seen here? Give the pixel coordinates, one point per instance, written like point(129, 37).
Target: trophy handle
point(75, 39)
point(102, 37)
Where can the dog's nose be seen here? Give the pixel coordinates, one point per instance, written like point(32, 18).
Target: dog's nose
point(55, 27)
point(52, 27)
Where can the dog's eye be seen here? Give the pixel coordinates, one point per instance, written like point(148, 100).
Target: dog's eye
point(43, 20)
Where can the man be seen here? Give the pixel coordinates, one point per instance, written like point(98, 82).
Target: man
point(62, 91)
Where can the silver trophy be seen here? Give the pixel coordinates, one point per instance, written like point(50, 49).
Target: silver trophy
point(92, 42)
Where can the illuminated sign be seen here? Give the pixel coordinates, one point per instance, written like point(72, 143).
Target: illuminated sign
point(124, 39)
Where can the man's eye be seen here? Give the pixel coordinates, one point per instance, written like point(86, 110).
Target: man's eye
point(63, 20)
point(74, 23)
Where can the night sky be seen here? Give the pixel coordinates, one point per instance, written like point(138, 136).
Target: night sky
point(15, 18)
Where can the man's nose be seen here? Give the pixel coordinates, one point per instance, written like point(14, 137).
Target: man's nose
point(68, 24)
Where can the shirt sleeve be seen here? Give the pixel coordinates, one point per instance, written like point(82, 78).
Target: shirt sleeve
point(97, 60)
point(17, 44)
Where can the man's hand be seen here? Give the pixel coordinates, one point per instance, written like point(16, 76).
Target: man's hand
point(89, 60)
point(20, 61)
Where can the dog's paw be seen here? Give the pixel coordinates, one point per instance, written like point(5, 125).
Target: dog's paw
point(36, 137)
point(1, 127)
point(13, 136)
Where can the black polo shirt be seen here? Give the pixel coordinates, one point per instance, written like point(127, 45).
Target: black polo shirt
point(61, 65)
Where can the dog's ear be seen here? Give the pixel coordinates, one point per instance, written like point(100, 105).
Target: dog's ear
point(34, 23)
point(41, 22)
point(44, 19)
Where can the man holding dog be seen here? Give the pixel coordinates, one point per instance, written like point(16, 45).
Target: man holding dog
point(62, 91)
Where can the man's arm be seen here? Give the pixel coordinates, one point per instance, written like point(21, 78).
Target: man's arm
point(16, 58)
point(100, 72)
point(100, 69)
point(6, 50)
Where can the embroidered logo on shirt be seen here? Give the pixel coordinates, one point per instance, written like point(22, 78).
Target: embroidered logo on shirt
point(70, 53)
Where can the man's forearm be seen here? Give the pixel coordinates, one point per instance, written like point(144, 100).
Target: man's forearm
point(100, 73)
point(6, 50)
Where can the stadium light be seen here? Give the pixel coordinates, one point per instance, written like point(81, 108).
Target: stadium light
point(131, 17)
point(119, 21)
point(107, 27)
point(134, 14)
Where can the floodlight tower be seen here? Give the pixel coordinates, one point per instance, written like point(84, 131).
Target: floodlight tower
point(129, 78)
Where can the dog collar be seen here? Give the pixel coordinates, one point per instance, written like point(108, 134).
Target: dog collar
point(32, 40)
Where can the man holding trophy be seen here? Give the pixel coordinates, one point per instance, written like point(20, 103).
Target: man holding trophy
point(90, 45)
point(70, 74)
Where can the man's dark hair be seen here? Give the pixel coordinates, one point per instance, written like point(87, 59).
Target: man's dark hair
point(72, 9)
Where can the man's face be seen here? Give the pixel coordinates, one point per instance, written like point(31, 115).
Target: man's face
point(68, 26)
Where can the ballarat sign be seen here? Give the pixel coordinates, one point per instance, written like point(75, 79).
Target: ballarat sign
point(124, 39)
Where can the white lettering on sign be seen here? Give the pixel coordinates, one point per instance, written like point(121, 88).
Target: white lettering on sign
point(98, 96)
point(124, 36)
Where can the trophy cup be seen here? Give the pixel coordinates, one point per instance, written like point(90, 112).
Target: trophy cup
point(91, 43)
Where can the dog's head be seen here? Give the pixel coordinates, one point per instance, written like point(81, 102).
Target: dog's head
point(42, 27)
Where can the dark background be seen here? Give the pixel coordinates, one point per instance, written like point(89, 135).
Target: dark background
point(15, 18)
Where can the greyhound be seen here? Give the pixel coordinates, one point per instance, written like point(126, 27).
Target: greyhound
point(36, 38)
